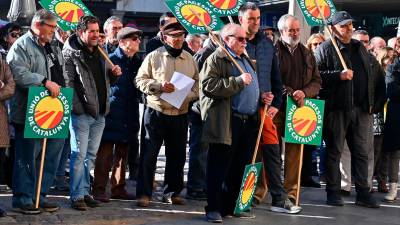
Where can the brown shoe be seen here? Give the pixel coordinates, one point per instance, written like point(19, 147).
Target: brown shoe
point(143, 201)
point(176, 200)
point(102, 197)
point(124, 196)
point(79, 204)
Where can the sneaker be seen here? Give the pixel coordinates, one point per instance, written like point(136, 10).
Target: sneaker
point(199, 195)
point(27, 209)
point(101, 197)
point(79, 204)
point(143, 201)
point(91, 202)
point(245, 215)
point(285, 207)
point(334, 200)
point(175, 200)
point(214, 217)
point(367, 201)
point(49, 207)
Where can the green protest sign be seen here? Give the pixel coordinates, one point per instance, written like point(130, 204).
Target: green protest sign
point(224, 7)
point(248, 187)
point(183, 11)
point(304, 125)
point(48, 117)
point(311, 12)
point(68, 12)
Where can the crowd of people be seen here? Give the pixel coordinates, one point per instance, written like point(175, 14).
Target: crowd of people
point(237, 72)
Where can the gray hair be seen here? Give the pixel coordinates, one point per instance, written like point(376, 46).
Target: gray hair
point(110, 20)
point(230, 29)
point(282, 21)
point(42, 16)
point(190, 37)
point(392, 41)
point(377, 39)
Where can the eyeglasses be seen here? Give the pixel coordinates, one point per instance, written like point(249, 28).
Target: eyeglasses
point(15, 34)
point(239, 39)
point(297, 30)
point(316, 44)
point(49, 25)
point(135, 38)
point(178, 35)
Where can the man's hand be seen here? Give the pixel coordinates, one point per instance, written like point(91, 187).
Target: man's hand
point(116, 70)
point(299, 96)
point(246, 77)
point(271, 112)
point(167, 87)
point(267, 98)
point(346, 75)
point(1, 84)
point(53, 87)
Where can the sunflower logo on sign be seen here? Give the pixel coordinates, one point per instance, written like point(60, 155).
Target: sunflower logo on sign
point(193, 19)
point(249, 184)
point(225, 7)
point(311, 12)
point(304, 125)
point(323, 6)
point(67, 11)
point(48, 112)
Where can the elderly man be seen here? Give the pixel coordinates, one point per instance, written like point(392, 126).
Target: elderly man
point(90, 77)
point(261, 49)
point(301, 80)
point(395, 44)
point(34, 62)
point(122, 123)
point(349, 103)
point(376, 44)
point(194, 42)
point(153, 79)
point(229, 109)
point(111, 27)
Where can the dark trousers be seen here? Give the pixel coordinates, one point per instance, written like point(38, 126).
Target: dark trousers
point(173, 131)
point(272, 163)
point(381, 159)
point(307, 168)
point(355, 127)
point(225, 166)
point(197, 155)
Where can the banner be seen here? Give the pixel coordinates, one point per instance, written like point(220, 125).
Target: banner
point(311, 13)
point(248, 187)
point(224, 7)
point(48, 117)
point(304, 125)
point(68, 12)
point(182, 11)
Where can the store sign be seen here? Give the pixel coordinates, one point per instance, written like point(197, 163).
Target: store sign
point(390, 21)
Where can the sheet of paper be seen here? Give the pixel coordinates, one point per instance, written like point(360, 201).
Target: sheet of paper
point(183, 85)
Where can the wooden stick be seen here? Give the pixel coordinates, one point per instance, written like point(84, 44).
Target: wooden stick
point(331, 37)
point(259, 134)
point(299, 174)
point(105, 56)
point(39, 181)
point(217, 41)
point(230, 19)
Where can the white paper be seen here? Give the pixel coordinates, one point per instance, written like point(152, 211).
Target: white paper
point(183, 85)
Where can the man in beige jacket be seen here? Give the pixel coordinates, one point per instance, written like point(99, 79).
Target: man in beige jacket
point(162, 121)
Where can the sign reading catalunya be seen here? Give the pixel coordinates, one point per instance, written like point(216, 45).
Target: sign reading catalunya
point(304, 124)
point(48, 117)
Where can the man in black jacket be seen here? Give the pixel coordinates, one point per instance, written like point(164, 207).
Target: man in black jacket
point(349, 95)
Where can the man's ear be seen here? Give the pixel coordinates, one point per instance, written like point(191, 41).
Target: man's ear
point(240, 19)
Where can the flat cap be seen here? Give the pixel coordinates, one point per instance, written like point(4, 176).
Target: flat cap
point(128, 32)
point(341, 18)
point(172, 27)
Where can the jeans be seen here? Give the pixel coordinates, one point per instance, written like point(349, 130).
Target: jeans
point(173, 131)
point(27, 165)
point(64, 158)
point(197, 155)
point(86, 133)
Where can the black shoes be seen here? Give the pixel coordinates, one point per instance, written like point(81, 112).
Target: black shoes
point(79, 204)
point(334, 200)
point(367, 200)
point(91, 202)
point(27, 209)
point(2, 213)
point(49, 207)
point(213, 217)
point(310, 183)
point(345, 193)
point(199, 195)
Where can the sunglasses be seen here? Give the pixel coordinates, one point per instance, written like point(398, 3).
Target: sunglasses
point(135, 38)
point(240, 39)
point(15, 34)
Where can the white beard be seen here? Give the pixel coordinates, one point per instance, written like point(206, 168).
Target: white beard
point(290, 41)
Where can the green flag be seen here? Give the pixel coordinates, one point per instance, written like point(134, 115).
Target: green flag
point(48, 117)
point(248, 187)
point(68, 12)
point(311, 12)
point(304, 125)
point(182, 11)
point(224, 7)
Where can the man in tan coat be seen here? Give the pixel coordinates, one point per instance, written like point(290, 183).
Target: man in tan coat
point(162, 121)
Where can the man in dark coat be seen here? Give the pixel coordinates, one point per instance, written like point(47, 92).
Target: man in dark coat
point(122, 123)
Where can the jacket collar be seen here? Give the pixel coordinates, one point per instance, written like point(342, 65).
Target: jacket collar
point(353, 42)
point(164, 52)
point(221, 54)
